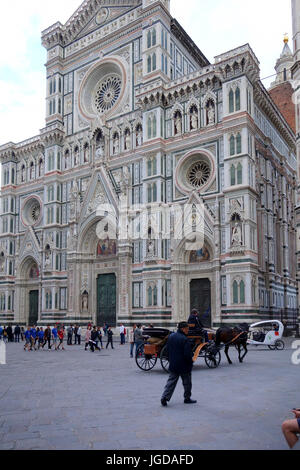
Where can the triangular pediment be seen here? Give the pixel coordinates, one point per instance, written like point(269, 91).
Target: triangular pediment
point(30, 246)
point(92, 14)
point(99, 193)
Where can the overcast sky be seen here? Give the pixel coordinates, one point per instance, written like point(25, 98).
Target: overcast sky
point(215, 27)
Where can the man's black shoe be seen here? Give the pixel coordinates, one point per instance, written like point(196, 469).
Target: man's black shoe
point(190, 402)
point(164, 402)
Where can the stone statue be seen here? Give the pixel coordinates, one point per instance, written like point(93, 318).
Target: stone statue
point(236, 235)
point(127, 141)
point(139, 137)
point(100, 152)
point(85, 301)
point(194, 120)
point(211, 114)
point(178, 125)
point(116, 144)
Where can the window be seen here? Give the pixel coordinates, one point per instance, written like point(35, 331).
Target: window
point(238, 292)
point(234, 100)
point(137, 295)
point(232, 175)
point(151, 63)
point(152, 193)
point(224, 290)
point(151, 126)
point(232, 145)
point(63, 298)
point(238, 143)
point(50, 193)
point(239, 174)
point(151, 38)
point(151, 167)
point(152, 296)
point(235, 293)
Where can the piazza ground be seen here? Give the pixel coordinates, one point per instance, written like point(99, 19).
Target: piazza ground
point(80, 400)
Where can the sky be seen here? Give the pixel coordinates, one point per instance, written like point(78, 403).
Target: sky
point(215, 27)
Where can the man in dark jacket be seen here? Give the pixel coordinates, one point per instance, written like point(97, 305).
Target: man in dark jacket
point(181, 364)
point(198, 328)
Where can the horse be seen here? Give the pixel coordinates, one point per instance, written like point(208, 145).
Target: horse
point(227, 336)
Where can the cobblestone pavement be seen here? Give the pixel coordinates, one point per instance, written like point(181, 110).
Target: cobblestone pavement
point(83, 400)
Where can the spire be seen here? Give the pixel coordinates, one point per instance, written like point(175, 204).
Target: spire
point(284, 64)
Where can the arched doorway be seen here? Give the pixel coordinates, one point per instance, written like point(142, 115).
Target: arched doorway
point(30, 288)
point(200, 295)
point(33, 294)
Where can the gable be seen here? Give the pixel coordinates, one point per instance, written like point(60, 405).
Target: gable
point(93, 14)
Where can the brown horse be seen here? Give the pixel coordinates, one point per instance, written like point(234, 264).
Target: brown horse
point(236, 336)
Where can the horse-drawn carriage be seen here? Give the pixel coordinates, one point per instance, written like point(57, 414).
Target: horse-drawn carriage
point(155, 348)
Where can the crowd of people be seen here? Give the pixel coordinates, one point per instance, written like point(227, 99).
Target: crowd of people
point(36, 338)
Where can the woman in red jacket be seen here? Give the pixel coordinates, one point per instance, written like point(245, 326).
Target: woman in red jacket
point(61, 335)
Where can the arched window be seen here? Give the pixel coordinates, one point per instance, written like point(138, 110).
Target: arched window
point(23, 174)
point(237, 99)
point(231, 101)
point(155, 296)
point(59, 106)
point(232, 145)
point(149, 64)
point(149, 296)
point(13, 176)
point(154, 190)
point(31, 170)
point(50, 194)
point(239, 143)
point(232, 175)
point(242, 292)
point(153, 37)
point(235, 292)
point(86, 153)
point(153, 61)
point(149, 167)
point(149, 39)
point(239, 174)
point(67, 158)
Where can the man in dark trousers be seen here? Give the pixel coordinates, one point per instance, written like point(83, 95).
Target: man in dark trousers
point(198, 328)
point(181, 364)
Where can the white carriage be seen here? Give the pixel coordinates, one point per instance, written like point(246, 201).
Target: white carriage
point(267, 333)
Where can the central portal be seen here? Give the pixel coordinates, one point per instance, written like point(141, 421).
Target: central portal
point(33, 307)
point(200, 295)
point(106, 300)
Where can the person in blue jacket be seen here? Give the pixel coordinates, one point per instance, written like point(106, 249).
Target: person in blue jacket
point(180, 364)
point(33, 334)
point(28, 339)
point(41, 338)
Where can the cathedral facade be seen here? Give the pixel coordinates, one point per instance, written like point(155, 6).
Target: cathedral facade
point(161, 182)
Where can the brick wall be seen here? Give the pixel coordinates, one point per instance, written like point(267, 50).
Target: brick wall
point(282, 97)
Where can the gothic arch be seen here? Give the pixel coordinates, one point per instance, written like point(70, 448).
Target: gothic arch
point(24, 267)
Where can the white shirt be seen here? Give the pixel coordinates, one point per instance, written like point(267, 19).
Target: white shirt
point(122, 329)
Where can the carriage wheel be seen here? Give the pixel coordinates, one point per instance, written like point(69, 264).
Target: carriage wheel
point(212, 360)
point(164, 359)
point(279, 345)
point(144, 361)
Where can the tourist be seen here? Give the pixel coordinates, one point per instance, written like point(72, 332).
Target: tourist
point(138, 337)
point(110, 338)
point(94, 339)
point(47, 337)
point(70, 331)
point(28, 339)
point(10, 335)
point(105, 328)
point(17, 333)
point(181, 364)
point(33, 333)
point(131, 340)
point(79, 335)
point(40, 338)
point(5, 336)
point(291, 428)
point(22, 333)
point(1, 332)
point(122, 334)
point(75, 334)
point(61, 335)
point(88, 336)
point(100, 336)
point(198, 328)
point(55, 335)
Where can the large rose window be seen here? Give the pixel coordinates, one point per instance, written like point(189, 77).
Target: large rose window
point(31, 212)
point(108, 93)
point(199, 174)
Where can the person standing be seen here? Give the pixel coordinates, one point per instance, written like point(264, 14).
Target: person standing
point(22, 333)
point(87, 337)
point(122, 334)
point(79, 335)
point(41, 338)
point(181, 364)
point(131, 340)
point(47, 337)
point(55, 336)
point(75, 334)
point(94, 339)
point(61, 335)
point(1, 332)
point(100, 336)
point(138, 337)
point(70, 335)
point(10, 335)
point(110, 338)
point(17, 333)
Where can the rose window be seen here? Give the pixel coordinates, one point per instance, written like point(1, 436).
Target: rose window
point(35, 212)
point(108, 93)
point(199, 174)
point(31, 212)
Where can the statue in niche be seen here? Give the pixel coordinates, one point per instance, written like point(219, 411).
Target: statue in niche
point(85, 301)
point(100, 152)
point(127, 140)
point(116, 144)
point(236, 235)
point(2, 262)
point(139, 136)
point(178, 123)
point(86, 153)
point(47, 256)
point(194, 119)
point(210, 112)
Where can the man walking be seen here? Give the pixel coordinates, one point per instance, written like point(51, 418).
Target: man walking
point(47, 337)
point(181, 364)
point(131, 340)
point(70, 335)
point(79, 335)
point(110, 338)
point(17, 333)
